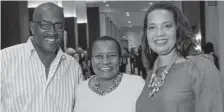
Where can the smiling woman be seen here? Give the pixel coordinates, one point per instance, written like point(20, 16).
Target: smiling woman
point(179, 81)
point(109, 90)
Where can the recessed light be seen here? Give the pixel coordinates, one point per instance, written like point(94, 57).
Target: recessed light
point(124, 36)
point(150, 3)
point(127, 13)
point(129, 21)
point(130, 26)
point(107, 5)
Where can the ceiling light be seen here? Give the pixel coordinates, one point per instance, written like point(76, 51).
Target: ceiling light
point(130, 26)
point(127, 13)
point(129, 21)
point(107, 5)
point(124, 36)
point(150, 3)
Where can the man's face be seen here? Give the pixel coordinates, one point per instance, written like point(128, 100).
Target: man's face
point(47, 37)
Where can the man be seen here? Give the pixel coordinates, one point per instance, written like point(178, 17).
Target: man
point(209, 52)
point(70, 51)
point(37, 76)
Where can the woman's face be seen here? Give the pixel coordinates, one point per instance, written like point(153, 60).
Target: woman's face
point(161, 31)
point(105, 59)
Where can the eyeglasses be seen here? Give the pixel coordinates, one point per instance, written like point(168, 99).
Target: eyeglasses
point(46, 25)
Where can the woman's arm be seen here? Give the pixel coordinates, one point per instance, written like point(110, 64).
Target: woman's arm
point(207, 86)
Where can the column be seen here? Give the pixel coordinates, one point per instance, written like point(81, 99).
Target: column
point(70, 23)
point(108, 26)
point(93, 23)
point(221, 34)
point(103, 24)
point(14, 23)
point(82, 24)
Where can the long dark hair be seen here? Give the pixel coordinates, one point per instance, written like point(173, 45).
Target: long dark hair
point(184, 44)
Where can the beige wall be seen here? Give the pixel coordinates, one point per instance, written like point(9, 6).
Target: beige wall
point(211, 24)
point(124, 43)
point(214, 30)
point(221, 34)
point(108, 27)
point(103, 24)
point(24, 21)
point(192, 13)
point(133, 34)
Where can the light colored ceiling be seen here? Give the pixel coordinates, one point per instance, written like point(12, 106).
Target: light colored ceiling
point(117, 11)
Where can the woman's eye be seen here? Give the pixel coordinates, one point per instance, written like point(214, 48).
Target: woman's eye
point(112, 55)
point(151, 27)
point(168, 26)
point(98, 56)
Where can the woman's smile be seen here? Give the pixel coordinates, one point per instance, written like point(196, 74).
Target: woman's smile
point(161, 41)
point(105, 69)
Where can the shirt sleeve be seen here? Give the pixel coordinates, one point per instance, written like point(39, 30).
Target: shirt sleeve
point(4, 56)
point(76, 107)
point(207, 88)
point(80, 75)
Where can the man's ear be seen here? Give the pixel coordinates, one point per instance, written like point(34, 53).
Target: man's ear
point(32, 27)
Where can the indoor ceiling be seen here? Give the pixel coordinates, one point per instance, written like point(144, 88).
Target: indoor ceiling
point(117, 11)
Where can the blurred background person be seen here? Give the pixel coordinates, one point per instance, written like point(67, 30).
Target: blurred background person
point(70, 51)
point(133, 59)
point(86, 65)
point(80, 51)
point(139, 63)
point(209, 53)
point(124, 61)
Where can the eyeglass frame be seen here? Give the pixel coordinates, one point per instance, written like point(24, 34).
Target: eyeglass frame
point(52, 24)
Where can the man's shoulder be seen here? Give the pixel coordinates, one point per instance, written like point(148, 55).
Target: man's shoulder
point(14, 48)
point(12, 53)
point(70, 59)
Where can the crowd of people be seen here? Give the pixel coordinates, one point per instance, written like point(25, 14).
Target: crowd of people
point(83, 58)
point(38, 76)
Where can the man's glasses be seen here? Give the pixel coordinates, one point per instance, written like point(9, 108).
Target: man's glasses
point(46, 25)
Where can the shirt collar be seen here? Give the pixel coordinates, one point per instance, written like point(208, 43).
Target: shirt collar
point(30, 47)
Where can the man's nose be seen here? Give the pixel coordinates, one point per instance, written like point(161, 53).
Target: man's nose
point(52, 31)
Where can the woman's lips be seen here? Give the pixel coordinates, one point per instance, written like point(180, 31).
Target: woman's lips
point(161, 41)
point(105, 68)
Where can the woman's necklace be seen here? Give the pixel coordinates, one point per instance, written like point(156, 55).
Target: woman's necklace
point(156, 81)
point(113, 86)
